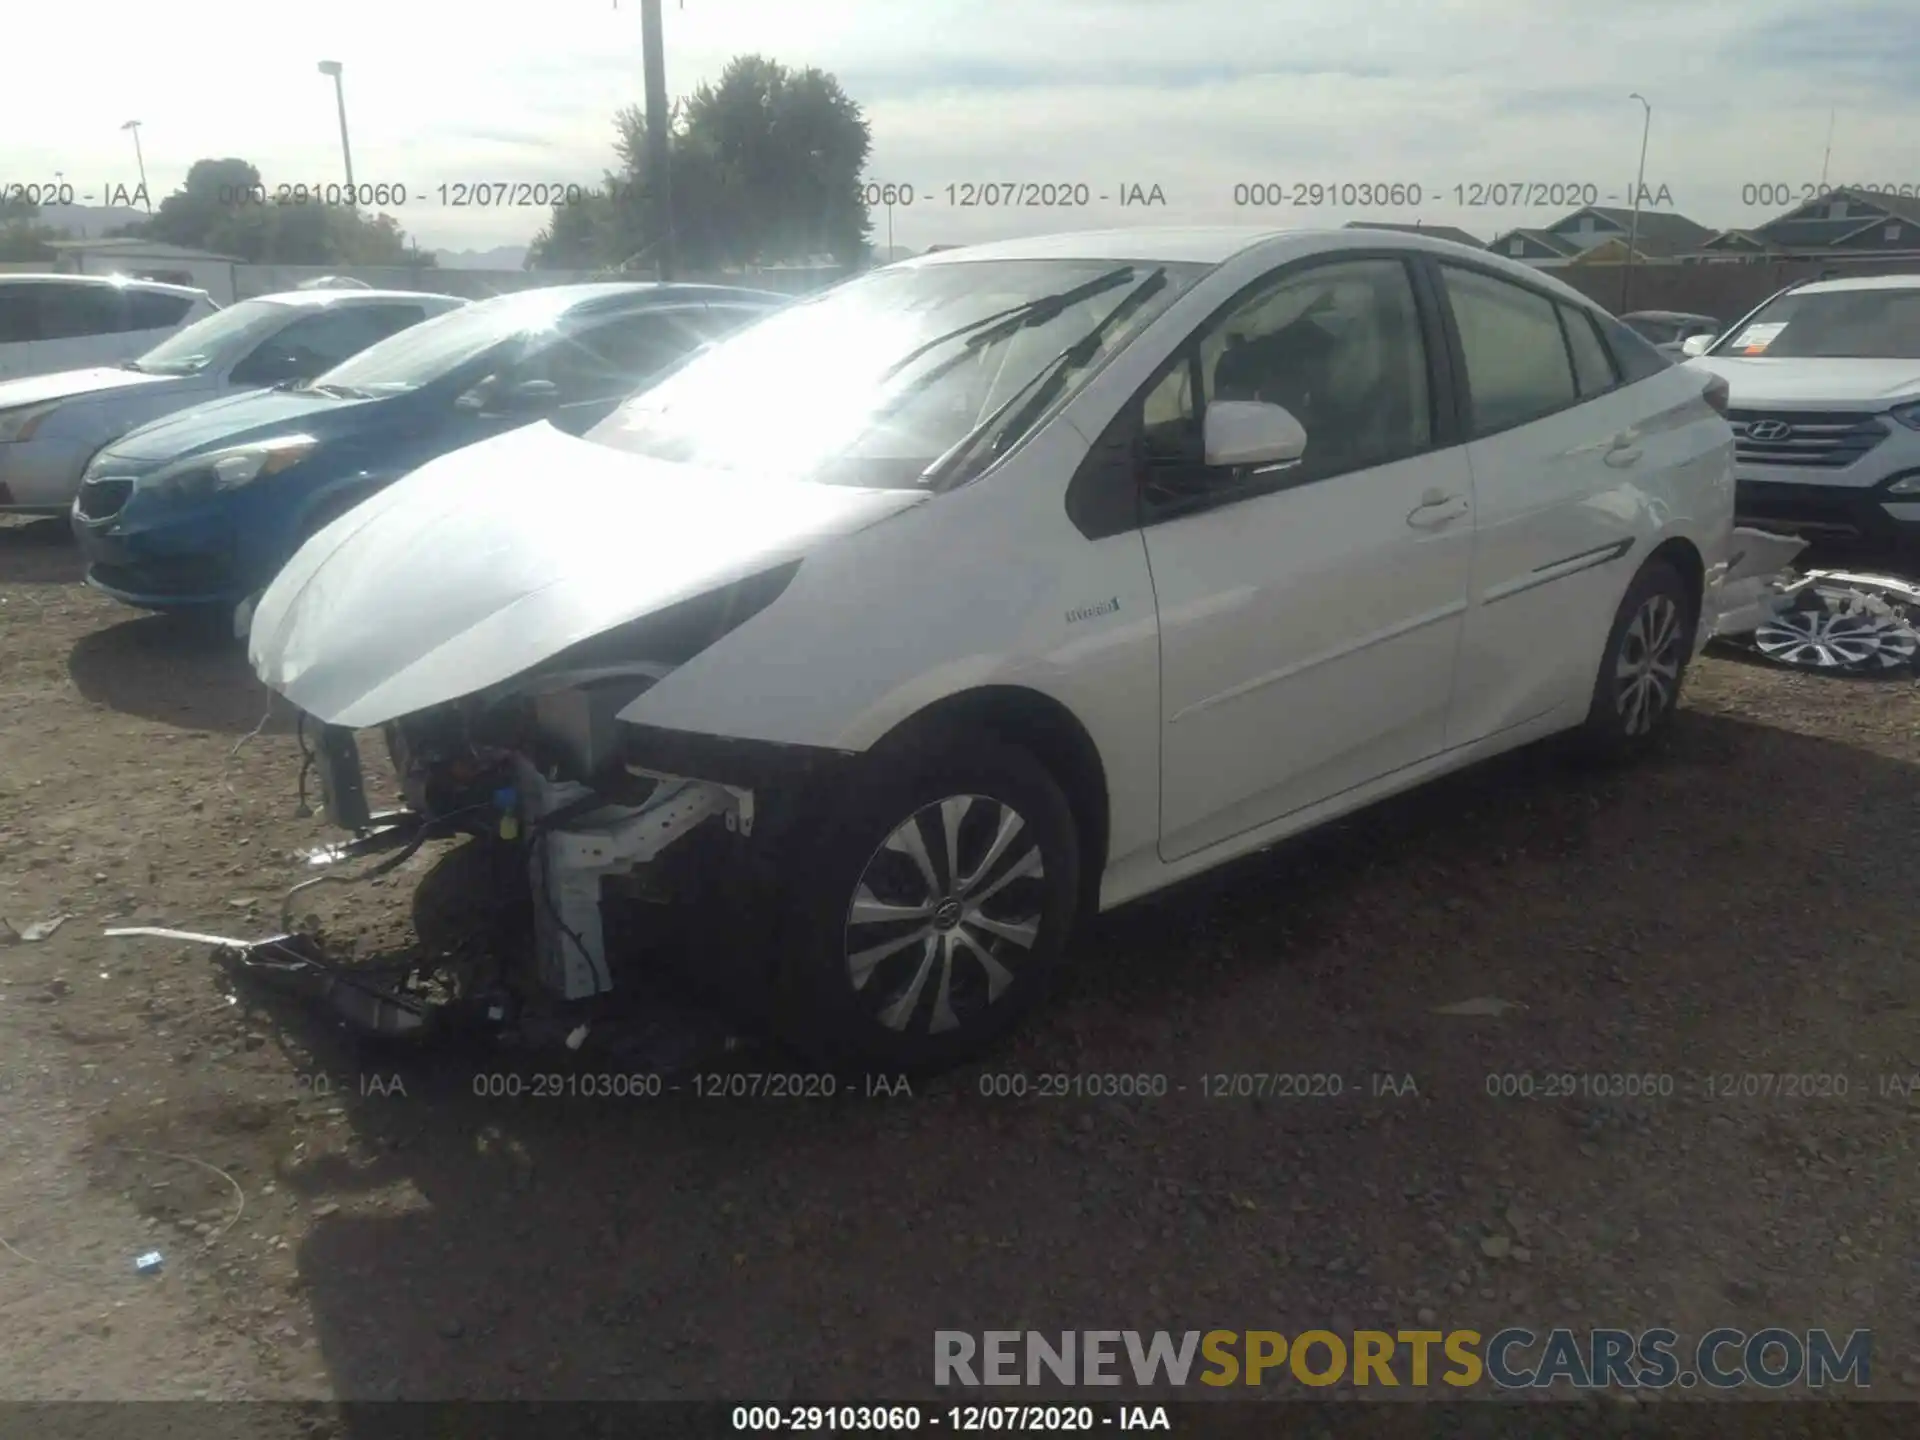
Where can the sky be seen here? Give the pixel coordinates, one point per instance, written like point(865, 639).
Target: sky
point(1218, 103)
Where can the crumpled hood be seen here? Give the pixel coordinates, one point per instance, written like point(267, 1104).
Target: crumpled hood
point(69, 384)
point(1759, 381)
point(488, 560)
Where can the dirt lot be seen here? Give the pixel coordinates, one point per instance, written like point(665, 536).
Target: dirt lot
point(1742, 905)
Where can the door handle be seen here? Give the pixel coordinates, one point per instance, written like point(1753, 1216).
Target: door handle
point(1436, 509)
point(1624, 450)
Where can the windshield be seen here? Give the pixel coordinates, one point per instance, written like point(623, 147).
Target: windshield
point(1875, 324)
point(423, 353)
point(871, 382)
point(189, 351)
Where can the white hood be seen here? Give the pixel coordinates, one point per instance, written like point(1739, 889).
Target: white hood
point(66, 384)
point(487, 561)
point(1837, 384)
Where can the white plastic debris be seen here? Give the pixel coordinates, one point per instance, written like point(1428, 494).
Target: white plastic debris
point(149, 1263)
point(38, 930)
point(577, 1037)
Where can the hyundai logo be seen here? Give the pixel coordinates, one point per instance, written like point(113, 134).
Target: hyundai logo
point(1769, 432)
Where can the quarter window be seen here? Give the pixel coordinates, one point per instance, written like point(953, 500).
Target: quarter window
point(1518, 368)
point(155, 309)
point(1592, 369)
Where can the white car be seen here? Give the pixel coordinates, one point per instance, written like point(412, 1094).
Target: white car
point(52, 425)
point(1824, 383)
point(61, 322)
point(898, 633)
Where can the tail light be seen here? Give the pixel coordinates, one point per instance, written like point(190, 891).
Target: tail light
point(1715, 393)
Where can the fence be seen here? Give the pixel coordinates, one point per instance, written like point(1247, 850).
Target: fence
point(1725, 292)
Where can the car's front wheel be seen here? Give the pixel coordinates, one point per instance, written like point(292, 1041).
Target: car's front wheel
point(1644, 665)
point(934, 909)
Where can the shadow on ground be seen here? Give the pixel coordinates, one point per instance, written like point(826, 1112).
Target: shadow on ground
point(499, 1235)
point(183, 671)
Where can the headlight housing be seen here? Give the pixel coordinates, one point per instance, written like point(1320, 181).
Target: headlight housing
point(18, 425)
point(229, 469)
point(1907, 414)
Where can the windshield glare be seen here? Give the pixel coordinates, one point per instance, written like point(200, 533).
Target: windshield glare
point(423, 353)
point(189, 351)
point(1877, 324)
point(807, 391)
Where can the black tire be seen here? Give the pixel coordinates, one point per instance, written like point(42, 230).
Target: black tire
point(1643, 667)
point(820, 1008)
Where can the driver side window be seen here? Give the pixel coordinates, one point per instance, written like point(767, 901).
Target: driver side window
point(1338, 346)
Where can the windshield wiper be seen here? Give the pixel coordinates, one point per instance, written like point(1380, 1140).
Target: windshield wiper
point(1037, 391)
point(997, 326)
point(313, 387)
point(133, 365)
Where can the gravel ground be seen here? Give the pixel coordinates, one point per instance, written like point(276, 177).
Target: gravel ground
point(347, 1225)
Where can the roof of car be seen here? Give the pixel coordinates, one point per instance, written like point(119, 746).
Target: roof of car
point(1206, 245)
point(1862, 282)
point(123, 281)
point(350, 297)
point(663, 292)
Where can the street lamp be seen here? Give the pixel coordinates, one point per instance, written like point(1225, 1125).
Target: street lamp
point(332, 67)
point(1639, 184)
point(141, 160)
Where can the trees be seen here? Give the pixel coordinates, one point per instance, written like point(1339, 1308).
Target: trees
point(221, 208)
point(22, 236)
point(766, 167)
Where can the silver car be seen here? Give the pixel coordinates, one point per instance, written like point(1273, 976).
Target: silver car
point(51, 425)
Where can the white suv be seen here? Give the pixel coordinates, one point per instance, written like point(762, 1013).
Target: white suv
point(67, 322)
point(1824, 396)
point(923, 618)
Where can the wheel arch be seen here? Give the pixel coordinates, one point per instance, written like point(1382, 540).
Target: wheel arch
point(1684, 556)
point(1053, 734)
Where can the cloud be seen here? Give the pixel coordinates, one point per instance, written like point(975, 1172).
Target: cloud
point(1193, 95)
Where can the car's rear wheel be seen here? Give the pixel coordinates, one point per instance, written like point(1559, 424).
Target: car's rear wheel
point(935, 910)
point(1643, 667)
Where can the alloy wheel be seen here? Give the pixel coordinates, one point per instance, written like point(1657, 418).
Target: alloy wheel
point(1647, 667)
point(944, 914)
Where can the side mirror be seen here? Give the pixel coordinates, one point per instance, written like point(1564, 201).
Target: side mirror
point(1252, 432)
point(1697, 345)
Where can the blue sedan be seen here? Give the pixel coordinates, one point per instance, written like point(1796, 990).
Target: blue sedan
point(201, 509)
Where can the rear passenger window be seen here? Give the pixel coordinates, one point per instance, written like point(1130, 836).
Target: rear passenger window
point(19, 315)
point(1592, 369)
point(155, 309)
point(1517, 363)
point(70, 312)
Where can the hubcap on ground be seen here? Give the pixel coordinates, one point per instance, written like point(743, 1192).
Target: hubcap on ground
point(1647, 669)
point(945, 913)
point(1826, 639)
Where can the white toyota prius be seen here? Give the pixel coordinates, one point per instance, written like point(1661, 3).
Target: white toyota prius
point(880, 643)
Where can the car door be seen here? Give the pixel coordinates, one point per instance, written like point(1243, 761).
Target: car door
point(595, 367)
point(1310, 614)
point(318, 340)
point(1554, 449)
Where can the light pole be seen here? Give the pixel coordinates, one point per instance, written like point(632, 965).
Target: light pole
point(332, 67)
point(141, 160)
point(659, 164)
point(1639, 184)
